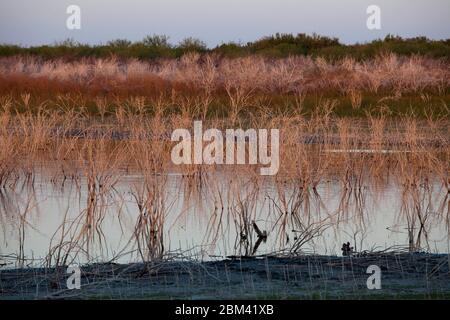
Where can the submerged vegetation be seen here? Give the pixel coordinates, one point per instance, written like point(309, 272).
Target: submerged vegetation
point(95, 155)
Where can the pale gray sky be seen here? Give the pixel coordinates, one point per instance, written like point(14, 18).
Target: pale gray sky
point(32, 22)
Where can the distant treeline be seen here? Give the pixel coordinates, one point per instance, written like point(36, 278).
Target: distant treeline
point(276, 46)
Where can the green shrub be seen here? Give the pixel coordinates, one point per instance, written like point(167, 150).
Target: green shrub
point(276, 46)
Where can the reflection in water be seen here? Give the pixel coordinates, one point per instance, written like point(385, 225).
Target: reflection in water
point(217, 214)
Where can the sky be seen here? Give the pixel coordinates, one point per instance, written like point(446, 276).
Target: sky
point(35, 22)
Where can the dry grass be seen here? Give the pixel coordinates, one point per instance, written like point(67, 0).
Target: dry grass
point(204, 78)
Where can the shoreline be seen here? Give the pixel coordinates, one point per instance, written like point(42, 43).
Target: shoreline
point(403, 276)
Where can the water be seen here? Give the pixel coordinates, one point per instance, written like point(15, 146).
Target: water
point(375, 217)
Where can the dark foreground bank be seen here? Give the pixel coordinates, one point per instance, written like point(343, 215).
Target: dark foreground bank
point(403, 276)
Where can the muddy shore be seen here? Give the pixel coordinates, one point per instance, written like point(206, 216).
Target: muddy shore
point(403, 276)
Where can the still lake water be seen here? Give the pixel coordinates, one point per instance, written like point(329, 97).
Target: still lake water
point(374, 218)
